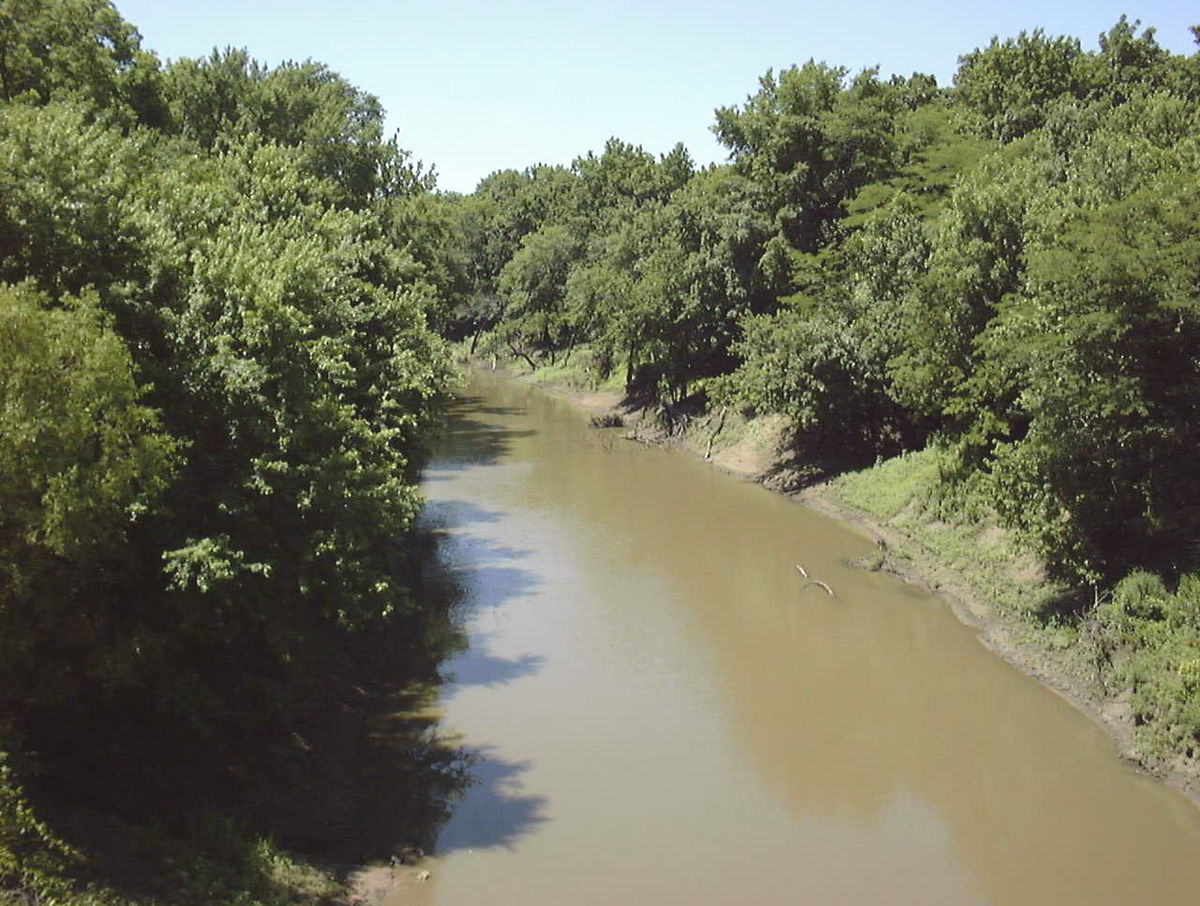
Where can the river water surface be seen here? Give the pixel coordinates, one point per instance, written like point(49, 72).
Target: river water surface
point(662, 712)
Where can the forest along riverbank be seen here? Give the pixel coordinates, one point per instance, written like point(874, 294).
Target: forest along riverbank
point(755, 451)
point(658, 709)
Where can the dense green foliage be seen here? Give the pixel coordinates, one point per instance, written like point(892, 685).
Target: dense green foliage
point(217, 283)
point(1150, 638)
point(1007, 265)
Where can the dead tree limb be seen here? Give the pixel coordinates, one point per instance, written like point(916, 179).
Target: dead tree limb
point(811, 581)
point(713, 436)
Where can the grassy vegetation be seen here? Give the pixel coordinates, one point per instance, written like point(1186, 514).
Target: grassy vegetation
point(211, 861)
point(1148, 638)
point(908, 495)
point(577, 371)
point(580, 372)
point(215, 861)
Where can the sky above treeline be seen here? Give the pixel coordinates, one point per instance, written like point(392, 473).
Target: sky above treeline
point(474, 86)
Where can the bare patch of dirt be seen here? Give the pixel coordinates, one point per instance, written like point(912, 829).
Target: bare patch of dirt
point(744, 458)
point(596, 401)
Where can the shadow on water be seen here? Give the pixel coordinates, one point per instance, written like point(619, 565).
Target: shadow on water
point(498, 813)
point(415, 777)
point(468, 439)
point(414, 774)
point(489, 671)
point(442, 515)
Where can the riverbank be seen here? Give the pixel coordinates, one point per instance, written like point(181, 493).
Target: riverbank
point(977, 568)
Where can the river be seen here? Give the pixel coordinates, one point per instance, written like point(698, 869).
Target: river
point(661, 711)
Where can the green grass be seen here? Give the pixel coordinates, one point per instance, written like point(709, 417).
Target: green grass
point(1149, 638)
point(214, 861)
point(577, 372)
point(892, 486)
point(964, 546)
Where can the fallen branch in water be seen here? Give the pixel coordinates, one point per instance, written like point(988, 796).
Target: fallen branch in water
point(607, 420)
point(800, 569)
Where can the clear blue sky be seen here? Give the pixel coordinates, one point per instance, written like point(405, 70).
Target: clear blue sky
point(473, 86)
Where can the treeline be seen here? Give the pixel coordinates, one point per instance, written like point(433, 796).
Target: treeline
point(1006, 269)
point(220, 286)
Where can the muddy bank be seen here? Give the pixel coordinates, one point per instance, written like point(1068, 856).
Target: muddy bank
point(753, 451)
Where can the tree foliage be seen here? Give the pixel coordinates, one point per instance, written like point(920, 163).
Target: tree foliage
point(1001, 266)
point(79, 51)
point(219, 384)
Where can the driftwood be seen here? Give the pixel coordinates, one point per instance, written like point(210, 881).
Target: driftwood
point(607, 420)
point(811, 581)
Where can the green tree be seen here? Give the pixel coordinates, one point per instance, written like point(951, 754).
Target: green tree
point(229, 97)
point(823, 358)
point(1010, 84)
point(282, 338)
point(78, 51)
point(977, 257)
point(809, 142)
point(1103, 345)
point(82, 461)
point(533, 282)
point(67, 198)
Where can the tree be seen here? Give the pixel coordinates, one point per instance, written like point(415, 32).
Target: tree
point(1010, 84)
point(809, 142)
point(67, 209)
point(229, 97)
point(977, 257)
point(78, 51)
point(823, 358)
point(534, 283)
point(82, 461)
point(1104, 346)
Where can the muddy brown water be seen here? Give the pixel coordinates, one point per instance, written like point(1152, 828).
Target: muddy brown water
point(662, 712)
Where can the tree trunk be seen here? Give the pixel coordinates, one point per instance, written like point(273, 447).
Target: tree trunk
point(522, 354)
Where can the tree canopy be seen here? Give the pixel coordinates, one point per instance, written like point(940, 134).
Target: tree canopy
point(218, 283)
